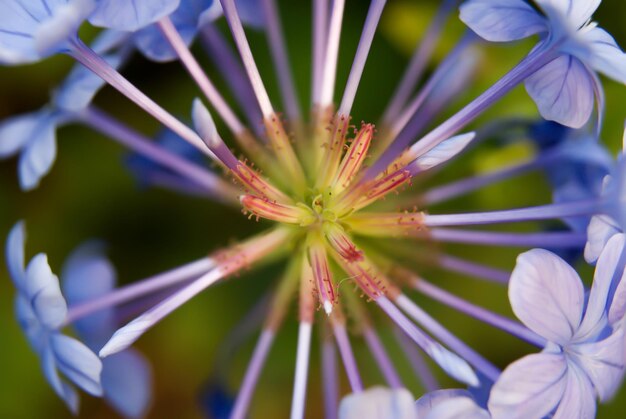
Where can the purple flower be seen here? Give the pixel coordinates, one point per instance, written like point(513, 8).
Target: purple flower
point(41, 311)
point(564, 88)
point(584, 356)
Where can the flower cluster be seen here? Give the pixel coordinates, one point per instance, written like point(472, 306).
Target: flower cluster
point(329, 191)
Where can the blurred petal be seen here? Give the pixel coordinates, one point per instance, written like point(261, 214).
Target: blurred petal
point(15, 254)
point(86, 275)
point(77, 363)
point(604, 55)
point(42, 289)
point(62, 389)
point(378, 403)
point(600, 230)
point(53, 34)
point(578, 400)
point(617, 310)
point(30, 324)
point(577, 12)
point(39, 154)
point(530, 387)
point(444, 151)
point(502, 20)
point(127, 383)
point(131, 15)
point(17, 131)
point(597, 305)
point(449, 404)
point(547, 295)
point(602, 362)
point(563, 91)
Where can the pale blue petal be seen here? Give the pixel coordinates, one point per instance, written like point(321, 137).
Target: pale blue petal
point(602, 362)
point(81, 85)
point(604, 55)
point(88, 274)
point(17, 131)
point(378, 403)
point(39, 153)
point(77, 363)
point(547, 295)
point(53, 34)
point(43, 291)
point(578, 400)
point(37, 335)
point(15, 254)
point(600, 230)
point(602, 289)
point(131, 15)
point(449, 404)
point(151, 42)
point(563, 91)
point(127, 383)
point(444, 151)
point(502, 20)
point(251, 12)
point(617, 310)
point(577, 12)
point(531, 387)
point(66, 392)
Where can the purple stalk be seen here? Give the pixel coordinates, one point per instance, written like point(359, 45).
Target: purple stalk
point(320, 27)
point(252, 374)
point(362, 52)
point(514, 328)
point(473, 269)
point(302, 370)
point(491, 238)
point(330, 379)
point(329, 71)
point(185, 56)
point(542, 212)
point(233, 73)
point(140, 288)
point(443, 334)
point(349, 363)
point(278, 49)
point(381, 357)
point(87, 57)
point(118, 131)
point(416, 361)
point(418, 62)
point(528, 66)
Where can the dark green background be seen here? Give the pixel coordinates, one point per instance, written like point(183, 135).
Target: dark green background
point(89, 193)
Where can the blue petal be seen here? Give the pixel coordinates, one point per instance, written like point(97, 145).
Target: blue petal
point(77, 363)
point(577, 12)
point(547, 295)
point(29, 323)
point(86, 275)
point(530, 387)
point(578, 400)
point(449, 404)
point(563, 91)
point(251, 13)
point(444, 151)
point(602, 362)
point(604, 285)
point(66, 392)
point(600, 230)
point(39, 152)
point(81, 85)
point(378, 403)
point(43, 291)
point(502, 20)
point(15, 254)
point(17, 131)
point(127, 383)
point(604, 54)
point(131, 15)
point(216, 402)
point(53, 34)
point(151, 42)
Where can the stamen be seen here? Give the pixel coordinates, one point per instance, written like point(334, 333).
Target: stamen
point(341, 242)
point(473, 269)
point(423, 318)
point(349, 363)
point(177, 43)
point(354, 158)
point(320, 28)
point(332, 150)
point(286, 156)
point(289, 214)
point(322, 275)
point(332, 50)
point(416, 361)
point(569, 239)
point(302, 367)
point(365, 43)
point(249, 252)
point(388, 224)
point(364, 193)
point(382, 358)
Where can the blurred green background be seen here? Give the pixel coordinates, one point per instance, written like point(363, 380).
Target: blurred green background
point(89, 193)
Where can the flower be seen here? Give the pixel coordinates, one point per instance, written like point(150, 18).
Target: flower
point(324, 189)
point(449, 404)
point(580, 46)
point(584, 356)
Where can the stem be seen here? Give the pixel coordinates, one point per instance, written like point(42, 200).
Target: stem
point(384, 363)
point(473, 269)
point(568, 239)
point(332, 50)
point(330, 379)
point(416, 360)
point(302, 368)
point(349, 363)
point(320, 26)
